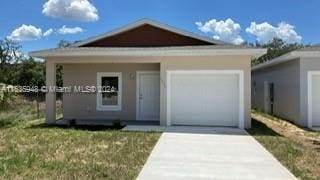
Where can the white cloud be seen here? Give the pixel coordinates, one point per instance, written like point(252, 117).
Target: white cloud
point(67, 30)
point(25, 33)
point(30, 32)
point(227, 30)
point(48, 32)
point(80, 10)
point(266, 32)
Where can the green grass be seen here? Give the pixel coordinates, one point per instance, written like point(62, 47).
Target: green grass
point(30, 150)
point(22, 110)
point(301, 160)
point(281, 147)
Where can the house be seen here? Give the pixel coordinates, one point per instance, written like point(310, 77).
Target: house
point(289, 87)
point(157, 73)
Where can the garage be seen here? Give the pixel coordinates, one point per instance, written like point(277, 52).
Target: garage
point(314, 98)
point(205, 98)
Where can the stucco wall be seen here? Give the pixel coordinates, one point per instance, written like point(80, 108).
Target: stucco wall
point(83, 106)
point(79, 72)
point(307, 64)
point(286, 79)
point(210, 63)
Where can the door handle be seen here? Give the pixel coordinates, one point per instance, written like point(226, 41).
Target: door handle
point(140, 96)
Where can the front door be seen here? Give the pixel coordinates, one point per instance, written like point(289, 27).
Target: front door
point(148, 96)
point(269, 97)
point(271, 93)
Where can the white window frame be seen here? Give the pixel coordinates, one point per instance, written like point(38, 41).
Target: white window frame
point(240, 73)
point(101, 107)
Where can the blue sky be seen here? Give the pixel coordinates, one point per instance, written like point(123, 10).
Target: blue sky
point(303, 15)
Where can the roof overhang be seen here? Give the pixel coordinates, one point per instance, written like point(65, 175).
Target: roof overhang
point(145, 52)
point(287, 57)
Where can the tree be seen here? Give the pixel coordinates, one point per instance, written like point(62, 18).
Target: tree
point(31, 73)
point(275, 48)
point(64, 43)
point(9, 54)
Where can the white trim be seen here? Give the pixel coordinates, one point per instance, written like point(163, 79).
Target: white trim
point(169, 74)
point(241, 99)
point(149, 52)
point(310, 86)
point(138, 73)
point(241, 90)
point(149, 22)
point(101, 107)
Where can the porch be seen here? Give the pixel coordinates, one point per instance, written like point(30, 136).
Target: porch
point(136, 100)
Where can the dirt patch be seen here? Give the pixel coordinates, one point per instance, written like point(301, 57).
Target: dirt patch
point(291, 131)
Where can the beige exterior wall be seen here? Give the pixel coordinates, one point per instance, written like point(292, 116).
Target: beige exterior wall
point(286, 79)
point(79, 72)
point(83, 106)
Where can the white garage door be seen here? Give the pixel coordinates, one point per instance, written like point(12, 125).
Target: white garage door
point(205, 98)
point(315, 115)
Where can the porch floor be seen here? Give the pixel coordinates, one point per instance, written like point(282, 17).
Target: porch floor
point(102, 122)
point(144, 128)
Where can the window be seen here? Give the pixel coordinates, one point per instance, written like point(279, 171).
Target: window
point(109, 99)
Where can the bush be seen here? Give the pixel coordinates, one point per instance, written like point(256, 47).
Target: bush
point(5, 97)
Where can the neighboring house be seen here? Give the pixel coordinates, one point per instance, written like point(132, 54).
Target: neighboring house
point(289, 87)
point(158, 73)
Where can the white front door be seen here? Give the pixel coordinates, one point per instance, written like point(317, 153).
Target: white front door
point(148, 96)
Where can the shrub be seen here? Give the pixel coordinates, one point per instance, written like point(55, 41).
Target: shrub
point(5, 97)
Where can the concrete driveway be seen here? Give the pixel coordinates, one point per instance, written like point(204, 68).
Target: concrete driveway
point(210, 153)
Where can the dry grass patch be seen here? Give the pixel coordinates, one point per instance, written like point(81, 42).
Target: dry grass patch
point(29, 150)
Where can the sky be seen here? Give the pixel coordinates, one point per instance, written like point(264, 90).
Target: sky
point(41, 24)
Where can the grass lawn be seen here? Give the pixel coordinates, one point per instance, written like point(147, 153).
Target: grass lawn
point(33, 151)
point(296, 148)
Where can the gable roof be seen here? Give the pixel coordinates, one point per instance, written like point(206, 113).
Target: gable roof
point(203, 46)
point(313, 51)
point(152, 23)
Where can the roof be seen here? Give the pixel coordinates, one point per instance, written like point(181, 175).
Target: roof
point(312, 51)
point(152, 23)
point(150, 51)
point(310, 48)
point(214, 48)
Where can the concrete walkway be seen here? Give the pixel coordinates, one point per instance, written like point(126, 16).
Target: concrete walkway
point(210, 153)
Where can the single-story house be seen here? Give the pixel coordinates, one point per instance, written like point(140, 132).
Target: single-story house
point(289, 87)
point(157, 73)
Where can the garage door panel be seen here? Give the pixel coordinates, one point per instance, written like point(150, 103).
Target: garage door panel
point(316, 100)
point(205, 99)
